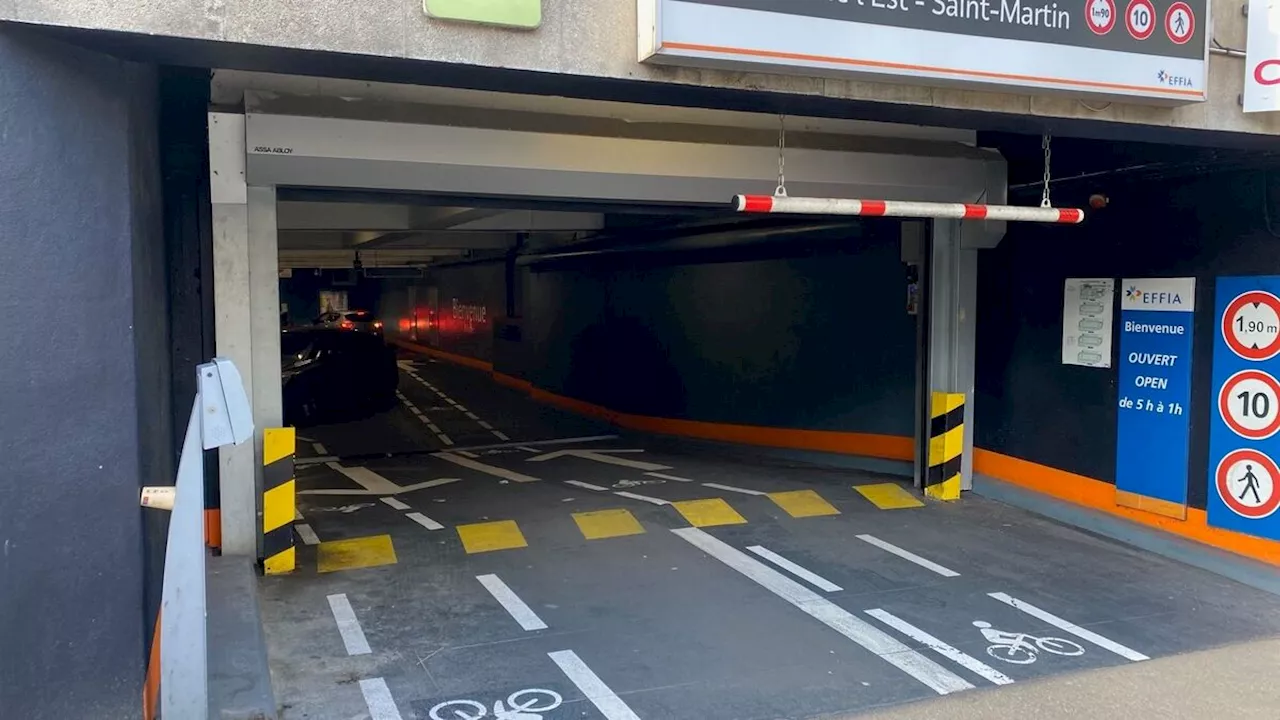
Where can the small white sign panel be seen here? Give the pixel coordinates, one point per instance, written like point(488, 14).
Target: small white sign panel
point(1262, 58)
point(1087, 309)
point(1159, 294)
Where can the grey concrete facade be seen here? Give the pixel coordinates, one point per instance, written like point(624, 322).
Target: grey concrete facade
point(84, 377)
point(597, 39)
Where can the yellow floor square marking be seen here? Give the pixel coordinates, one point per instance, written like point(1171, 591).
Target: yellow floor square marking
point(803, 503)
point(490, 536)
point(888, 496)
point(355, 553)
point(710, 512)
point(607, 524)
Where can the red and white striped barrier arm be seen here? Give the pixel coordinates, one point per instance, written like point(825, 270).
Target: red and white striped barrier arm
point(904, 208)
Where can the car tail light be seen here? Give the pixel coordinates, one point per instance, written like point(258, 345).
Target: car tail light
point(347, 325)
point(377, 324)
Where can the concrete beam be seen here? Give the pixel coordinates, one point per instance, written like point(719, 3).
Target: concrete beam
point(535, 221)
point(342, 216)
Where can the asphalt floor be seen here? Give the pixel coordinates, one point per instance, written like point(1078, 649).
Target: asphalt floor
point(473, 554)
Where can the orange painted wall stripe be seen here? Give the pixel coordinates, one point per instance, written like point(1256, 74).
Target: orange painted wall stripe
point(442, 355)
point(833, 60)
point(1100, 495)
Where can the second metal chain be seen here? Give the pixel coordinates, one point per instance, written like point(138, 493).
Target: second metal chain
point(1048, 153)
point(781, 190)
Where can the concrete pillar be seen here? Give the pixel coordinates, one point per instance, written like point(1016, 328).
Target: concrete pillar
point(264, 310)
point(237, 465)
point(949, 317)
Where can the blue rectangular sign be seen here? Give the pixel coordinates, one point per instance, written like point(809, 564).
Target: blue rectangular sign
point(1244, 446)
point(1153, 420)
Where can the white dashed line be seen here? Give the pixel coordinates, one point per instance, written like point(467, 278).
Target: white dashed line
point(907, 555)
point(812, 578)
point(731, 488)
point(643, 498)
point(484, 425)
point(506, 597)
point(1083, 634)
point(586, 485)
point(377, 696)
point(468, 453)
point(592, 687)
point(308, 535)
point(319, 448)
point(500, 435)
point(424, 521)
point(395, 503)
point(664, 477)
point(965, 661)
point(444, 439)
point(473, 416)
point(348, 626)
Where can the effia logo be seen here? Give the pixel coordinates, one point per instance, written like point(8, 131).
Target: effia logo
point(1138, 296)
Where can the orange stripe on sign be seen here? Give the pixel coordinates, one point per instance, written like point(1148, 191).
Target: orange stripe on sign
point(975, 212)
point(1100, 495)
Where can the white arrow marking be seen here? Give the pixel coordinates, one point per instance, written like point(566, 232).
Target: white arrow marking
point(601, 456)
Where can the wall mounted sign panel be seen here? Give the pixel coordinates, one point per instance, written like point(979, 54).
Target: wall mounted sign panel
point(524, 14)
point(1155, 50)
point(1262, 58)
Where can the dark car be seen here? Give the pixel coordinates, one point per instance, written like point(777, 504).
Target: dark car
point(330, 375)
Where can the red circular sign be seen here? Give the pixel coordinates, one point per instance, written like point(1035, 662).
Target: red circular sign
point(1100, 15)
point(1140, 19)
point(1179, 23)
point(1246, 481)
point(1249, 403)
point(1253, 338)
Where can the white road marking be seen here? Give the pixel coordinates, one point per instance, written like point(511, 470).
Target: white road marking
point(395, 503)
point(928, 672)
point(367, 479)
point(431, 426)
point(319, 448)
point(593, 688)
point(416, 411)
point(460, 407)
point(473, 416)
point(731, 488)
point(484, 425)
point(907, 555)
point(603, 456)
point(1083, 634)
point(645, 498)
point(308, 535)
point(378, 697)
point(424, 521)
point(586, 485)
point(506, 597)
point(501, 435)
point(478, 466)
point(811, 577)
point(429, 484)
point(348, 625)
point(448, 441)
point(527, 449)
point(307, 439)
point(966, 661)
point(668, 477)
point(297, 514)
point(468, 453)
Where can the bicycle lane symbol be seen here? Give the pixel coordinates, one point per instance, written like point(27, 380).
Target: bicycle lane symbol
point(527, 704)
point(1024, 648)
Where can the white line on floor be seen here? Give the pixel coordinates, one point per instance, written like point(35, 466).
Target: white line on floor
point(348, 625)
point(416, 411)
point(645, 498)
point(933, 675)
point(500, 435)
point(378, 697)
point(605, 700)
point(528, 449)
point(431, 426)
point(473, 416)
point(395, 503)
point(429, 484)
point(484, 425)
point(297, 514)
point(907, 555)
point(811, 577)
point(505, 596)
point(307, 439)
point(478, 466)
point(424, 521)
point(319, 448)
point(731, 488)
point(1054, 620)
point(308, 535)
point(468, 453)
point(586, 485)
point(448, 441)
point(966, 661)
point(459, 406)
point(367, 479)
point(665, 477)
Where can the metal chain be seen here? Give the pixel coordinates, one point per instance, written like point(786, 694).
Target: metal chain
point(781, 190)
point(1048, 153)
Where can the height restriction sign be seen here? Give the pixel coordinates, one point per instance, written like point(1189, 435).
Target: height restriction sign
point(1244, 428)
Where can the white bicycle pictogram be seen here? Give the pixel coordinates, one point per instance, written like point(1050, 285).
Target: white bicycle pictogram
point(1022, 648)
point(527, 704)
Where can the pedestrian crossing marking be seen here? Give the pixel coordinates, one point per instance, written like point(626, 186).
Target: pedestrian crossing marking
point(607, 523)
point(490, 536)
point(361, 552)
point(709, 513)
point(803, 503)
point(888, 496)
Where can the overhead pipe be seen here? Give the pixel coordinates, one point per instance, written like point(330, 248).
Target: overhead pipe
point(903, 208)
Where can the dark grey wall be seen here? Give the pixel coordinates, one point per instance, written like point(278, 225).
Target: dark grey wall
point(84, 376)
point(1028, 403)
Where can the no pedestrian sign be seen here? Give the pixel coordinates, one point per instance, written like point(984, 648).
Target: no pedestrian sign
point(1244, 429)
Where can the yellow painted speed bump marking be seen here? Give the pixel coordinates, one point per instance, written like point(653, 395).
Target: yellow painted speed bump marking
point(607, 523)
point(708, 513)
point(888, 496)
point(355, 553)
point(803, 503)
point(490, 536)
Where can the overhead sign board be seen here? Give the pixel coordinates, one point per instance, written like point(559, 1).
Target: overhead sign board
point(1262, 58)
point(1156, 50)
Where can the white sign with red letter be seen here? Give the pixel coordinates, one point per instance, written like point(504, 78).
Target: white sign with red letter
point(1262, 58)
